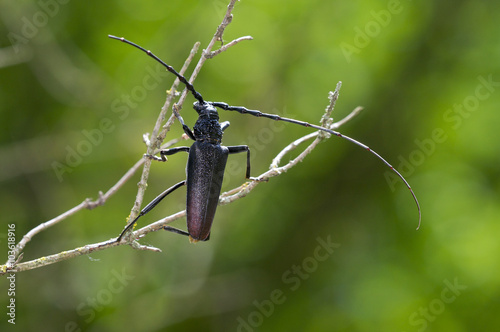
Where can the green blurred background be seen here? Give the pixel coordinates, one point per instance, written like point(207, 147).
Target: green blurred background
point(428, 76)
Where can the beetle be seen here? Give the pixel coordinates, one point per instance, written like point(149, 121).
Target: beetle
point(207, 159)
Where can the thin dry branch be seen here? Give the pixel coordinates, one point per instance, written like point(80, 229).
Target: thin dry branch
point(86, 204)
point(225, 47)
point(14, 265)
point(157, 137)
point(225, 198)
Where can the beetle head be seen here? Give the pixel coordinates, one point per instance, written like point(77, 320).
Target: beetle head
point(206, 110)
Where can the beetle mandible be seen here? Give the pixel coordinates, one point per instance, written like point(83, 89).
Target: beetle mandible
point(207, 159)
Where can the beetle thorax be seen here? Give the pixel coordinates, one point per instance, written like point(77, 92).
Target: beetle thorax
point(207, 127)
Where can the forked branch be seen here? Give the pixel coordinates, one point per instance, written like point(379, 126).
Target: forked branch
point(225, 198)
point(153, 143)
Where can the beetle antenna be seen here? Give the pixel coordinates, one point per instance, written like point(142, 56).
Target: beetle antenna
point(256, 113)
point(171, 69)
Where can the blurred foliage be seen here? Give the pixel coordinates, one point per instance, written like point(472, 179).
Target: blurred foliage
point(418, 67)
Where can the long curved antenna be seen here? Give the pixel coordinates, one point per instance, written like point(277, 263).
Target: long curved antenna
point(171, 69)
point(256, 113)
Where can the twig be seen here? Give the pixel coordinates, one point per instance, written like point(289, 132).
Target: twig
point(225, 198)
point(348, 118)
point(228, 17)
point(274, 169)
point(156, 139)
point(292, 146)
point(172, 94)
point(86, 204)
point(153, 145)
point(225, 47)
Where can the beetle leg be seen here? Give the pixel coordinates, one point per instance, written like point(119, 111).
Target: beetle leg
point(224, 125)
point(186, 129)
point(181, 232)
point(238, 149)
point(167, 152)
point(175, 230)
point(150, 206)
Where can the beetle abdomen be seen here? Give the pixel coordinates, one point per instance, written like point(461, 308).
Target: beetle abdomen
point(205, 172)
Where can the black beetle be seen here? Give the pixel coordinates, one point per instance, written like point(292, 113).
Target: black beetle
point(207, 159)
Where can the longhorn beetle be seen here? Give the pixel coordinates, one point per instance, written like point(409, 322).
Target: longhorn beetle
point(207, 159)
